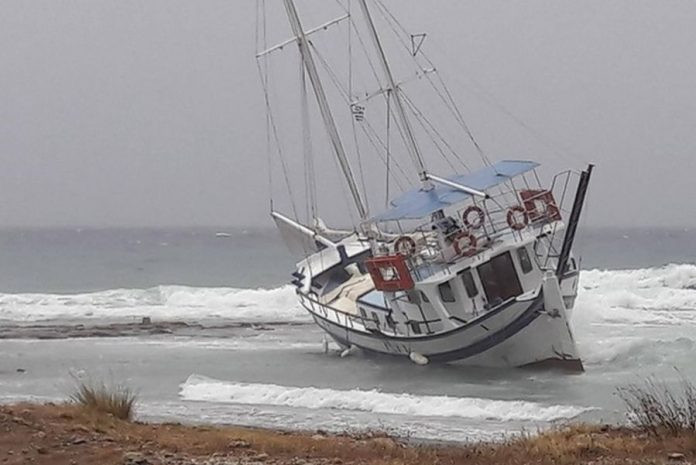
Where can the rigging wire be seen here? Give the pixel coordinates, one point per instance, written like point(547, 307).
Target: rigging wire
point(480, 91)
point(336, 82)
point(429, 129)
point(447, 98)
point(276, 137)
point(352, 119)
point(261, 38)
point(309, 175)
point(386, 197)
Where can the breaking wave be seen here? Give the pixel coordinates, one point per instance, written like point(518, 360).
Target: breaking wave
point(161, 302)
point(650, 296)
point(644, 297)
point(199, 388)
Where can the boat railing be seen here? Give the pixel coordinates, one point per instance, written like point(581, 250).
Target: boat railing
point(350, 320)
point(509, 214)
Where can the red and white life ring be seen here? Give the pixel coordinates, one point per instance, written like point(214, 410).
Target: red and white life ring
point(477, 220)
point(512, 218)
point(405, 246)
point(465, 244)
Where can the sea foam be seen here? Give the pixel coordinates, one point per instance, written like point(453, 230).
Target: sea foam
point(169, 303)
point(650, 296)
point(199, 388)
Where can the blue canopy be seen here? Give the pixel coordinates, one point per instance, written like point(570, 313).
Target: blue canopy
point(418, 203)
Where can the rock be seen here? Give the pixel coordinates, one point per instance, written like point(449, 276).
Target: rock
point(239, 445)
point(260, 457)
point(21, 370)
point(135, 458)
point(41, 450)
point(76, 440)
point(677, 456)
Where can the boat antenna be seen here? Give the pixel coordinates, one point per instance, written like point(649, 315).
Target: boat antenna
point(394, 90)
point(322, 101)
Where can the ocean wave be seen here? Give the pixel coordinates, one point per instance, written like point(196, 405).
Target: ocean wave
point(651, 296)
point(621, 352)
point(202, 389)
point(161, 302)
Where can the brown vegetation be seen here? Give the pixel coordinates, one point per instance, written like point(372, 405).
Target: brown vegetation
point(656, 409)
point(117, 400)
point(71, 434)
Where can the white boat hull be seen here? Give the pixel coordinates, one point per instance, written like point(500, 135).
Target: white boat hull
point(528, 332)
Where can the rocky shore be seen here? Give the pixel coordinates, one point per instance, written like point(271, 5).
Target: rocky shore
point(70, 435)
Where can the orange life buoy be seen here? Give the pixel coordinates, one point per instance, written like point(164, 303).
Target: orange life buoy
point(405, 246)
point(540, 205)
point(478, 219)
point(390, 273)
point(512, 219)
point(465, 244)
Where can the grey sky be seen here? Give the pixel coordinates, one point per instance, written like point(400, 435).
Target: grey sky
point(121, 113)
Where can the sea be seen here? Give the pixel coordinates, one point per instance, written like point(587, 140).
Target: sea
point(230, 344)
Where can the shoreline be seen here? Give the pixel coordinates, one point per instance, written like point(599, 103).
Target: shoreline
point(66, 434)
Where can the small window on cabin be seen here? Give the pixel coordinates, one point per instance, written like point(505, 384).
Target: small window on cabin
point(390, 321)
point(375, 318)
point(469, 283)
point(362, 313)
point(525, 262)
point(499, 279)
point(446, 293)
point(413, 297)
point(424, 297)
point(415, 327)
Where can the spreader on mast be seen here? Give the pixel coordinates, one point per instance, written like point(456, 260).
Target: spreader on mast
point(323, 103)
point(410, 139)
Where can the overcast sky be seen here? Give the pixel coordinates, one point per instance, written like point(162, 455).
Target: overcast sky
point(149, 112)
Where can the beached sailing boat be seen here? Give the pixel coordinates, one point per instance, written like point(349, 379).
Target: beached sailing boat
point(473, 267)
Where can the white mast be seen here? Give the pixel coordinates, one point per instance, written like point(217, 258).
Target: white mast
point(324, 108)
point(411, 144)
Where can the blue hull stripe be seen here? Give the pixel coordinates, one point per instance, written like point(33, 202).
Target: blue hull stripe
point(525, 319)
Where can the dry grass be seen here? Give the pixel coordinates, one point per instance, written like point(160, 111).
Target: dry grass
point(567, 445)
point(656, 409)
point(98, 397)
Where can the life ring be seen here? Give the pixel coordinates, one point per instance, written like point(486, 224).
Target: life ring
point(512, 219)
point(405, 246)
point(465, 244)
point(478, 219)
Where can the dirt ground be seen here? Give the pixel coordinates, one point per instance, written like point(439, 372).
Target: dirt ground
point(70, 435)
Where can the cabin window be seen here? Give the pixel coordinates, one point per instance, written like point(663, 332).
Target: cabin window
point(363, 314)
point(525, 262)
point(446, 293)
point(375, 318)
point(469, 284)
point(424, 297)
point(499, 279)
point(390, 321)
point(415, 327)
point(413, 297)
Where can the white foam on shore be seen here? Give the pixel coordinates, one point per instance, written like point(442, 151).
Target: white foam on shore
point(169, 303)
point(202, 389)
point(651, 296)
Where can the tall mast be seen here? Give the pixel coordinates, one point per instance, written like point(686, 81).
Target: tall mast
point(324, 108)
point(411, 144)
